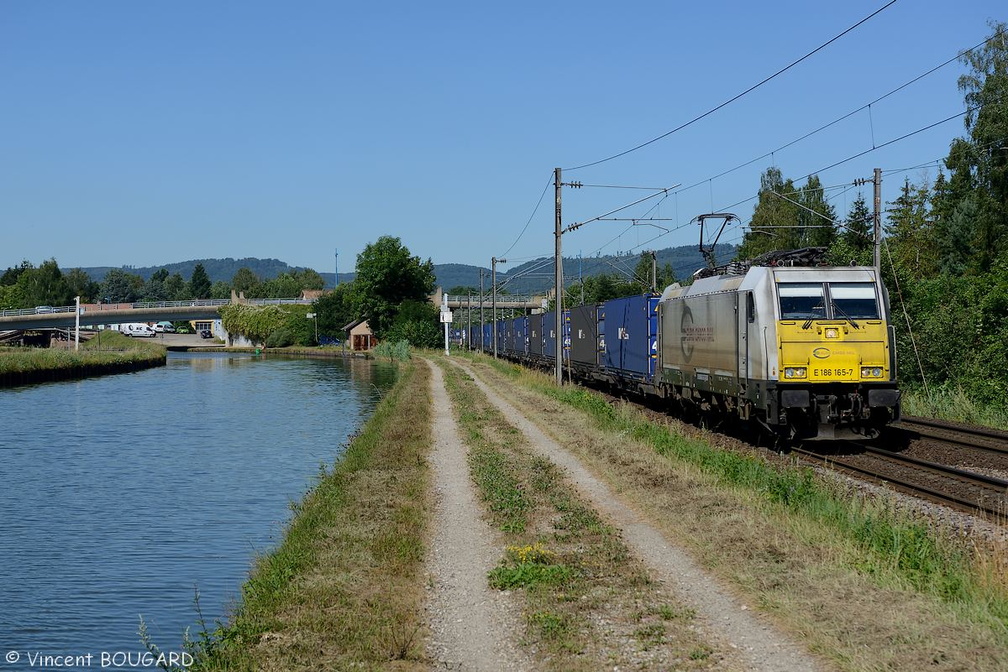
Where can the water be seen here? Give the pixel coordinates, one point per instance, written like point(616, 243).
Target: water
point(119, 495)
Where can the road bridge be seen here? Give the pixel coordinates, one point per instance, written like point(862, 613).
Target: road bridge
point(120, 313)
point(504, 301)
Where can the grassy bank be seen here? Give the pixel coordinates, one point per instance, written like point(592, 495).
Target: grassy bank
point(588, 603)
point(344, 589)
point(115, 354)
point(954, 405)
point(859, 582)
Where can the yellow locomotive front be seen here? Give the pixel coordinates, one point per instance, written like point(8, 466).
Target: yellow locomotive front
point(836, 370)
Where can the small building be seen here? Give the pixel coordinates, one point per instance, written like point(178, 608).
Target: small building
point(359, 336)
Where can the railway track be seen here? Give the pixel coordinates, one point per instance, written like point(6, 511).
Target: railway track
point(964, 490)
point(988, 440)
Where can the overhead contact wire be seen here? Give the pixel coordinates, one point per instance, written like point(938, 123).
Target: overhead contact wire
point(738, 96)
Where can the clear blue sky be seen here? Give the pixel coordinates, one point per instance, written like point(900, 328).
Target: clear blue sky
point(147, 133)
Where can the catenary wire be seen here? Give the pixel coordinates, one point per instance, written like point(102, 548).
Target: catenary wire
point(737, 96)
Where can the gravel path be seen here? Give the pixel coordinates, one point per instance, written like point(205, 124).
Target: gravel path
point(761, 645)
point(472, 626)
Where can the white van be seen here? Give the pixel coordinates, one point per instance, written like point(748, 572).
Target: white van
point(137, 329)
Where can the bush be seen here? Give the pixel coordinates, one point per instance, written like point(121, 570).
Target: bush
point(281, 338)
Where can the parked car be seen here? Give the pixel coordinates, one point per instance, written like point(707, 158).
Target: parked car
point(182, 330)
point(205, 333)
point(164, 327)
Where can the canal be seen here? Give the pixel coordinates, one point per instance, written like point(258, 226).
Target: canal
point(121, 496)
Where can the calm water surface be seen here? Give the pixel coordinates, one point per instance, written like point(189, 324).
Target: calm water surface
point(119, 495)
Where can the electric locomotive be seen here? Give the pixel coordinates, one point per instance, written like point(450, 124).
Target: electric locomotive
point(806, 351)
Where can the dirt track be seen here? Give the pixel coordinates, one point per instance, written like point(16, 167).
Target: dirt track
point(476, 629)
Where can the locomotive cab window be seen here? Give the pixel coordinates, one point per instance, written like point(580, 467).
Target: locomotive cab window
point(801, 301)
point(854, 300)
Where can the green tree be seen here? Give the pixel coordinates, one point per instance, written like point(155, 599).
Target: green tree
point(854, 245)
point(418, 323)
point(775, 221)
point(121, 287)
point(388, 275)
point(10, 276)
point(199, 283)
point(309, 278)
point(816, 217)
point(175, 287)
point(335, 310)
point(220, 290)
point(909, 230)
point(246, 282)
point(43, 286)
point(80, 284)
point(983, 159)
point(155, 289)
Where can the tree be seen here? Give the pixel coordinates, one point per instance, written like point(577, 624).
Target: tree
point(335, 310)
point(388, 275)
point(220, 290)
point(121, 287)
point(816, 217)
point(175, 286)
point(417, 323)
point(909, 230)
point(10, 276)
point(44, 285)
point(983, 160)
point(309, 278)
point(80, 284)
point(854, 244)
point(775, 220)
point(246, 282)
point(199, 283)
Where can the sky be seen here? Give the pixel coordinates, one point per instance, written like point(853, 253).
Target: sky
point(145, 133)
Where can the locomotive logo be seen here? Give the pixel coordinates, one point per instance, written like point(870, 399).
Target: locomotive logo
point(685, 328)
point(821, 353)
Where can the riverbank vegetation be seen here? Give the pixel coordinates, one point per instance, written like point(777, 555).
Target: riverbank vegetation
point(345, 587)
point(113, 353)
point(862, 581)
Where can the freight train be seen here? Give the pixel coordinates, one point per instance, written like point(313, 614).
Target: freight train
point(806, 352)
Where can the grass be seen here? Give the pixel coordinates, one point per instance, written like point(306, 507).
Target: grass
point(588, 604)
point(954, 405)
point(344, 588)
point(816, 554)
point(117, 353)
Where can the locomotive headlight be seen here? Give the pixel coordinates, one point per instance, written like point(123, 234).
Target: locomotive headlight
point(871, 371)
point(794, 371)
point(831, 333)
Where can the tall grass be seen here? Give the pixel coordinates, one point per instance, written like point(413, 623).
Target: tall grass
point(955, 405)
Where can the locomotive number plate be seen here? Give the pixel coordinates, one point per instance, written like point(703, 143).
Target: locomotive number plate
point(832, 373)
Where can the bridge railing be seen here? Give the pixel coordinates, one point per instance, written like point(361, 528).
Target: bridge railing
point(463, 299)
point(146, 305)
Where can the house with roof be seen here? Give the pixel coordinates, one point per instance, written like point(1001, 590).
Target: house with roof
point(359, 336)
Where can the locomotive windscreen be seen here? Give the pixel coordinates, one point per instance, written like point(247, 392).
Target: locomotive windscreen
point(801, 301)
point(855, 300)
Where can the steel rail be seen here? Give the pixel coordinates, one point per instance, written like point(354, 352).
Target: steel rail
point(986, 483)
point(966, 435)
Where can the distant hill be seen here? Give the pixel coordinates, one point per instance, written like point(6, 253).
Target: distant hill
point(531, 277)
point(537, 276)
point(217, 269)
